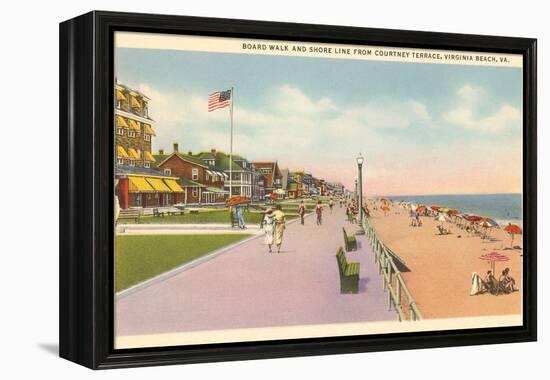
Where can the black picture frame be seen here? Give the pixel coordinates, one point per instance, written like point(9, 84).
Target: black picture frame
point(86, 183)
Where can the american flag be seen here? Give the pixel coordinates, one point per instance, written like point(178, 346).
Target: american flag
point(219, 99)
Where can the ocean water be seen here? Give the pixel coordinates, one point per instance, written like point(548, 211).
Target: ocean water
point(503, 208)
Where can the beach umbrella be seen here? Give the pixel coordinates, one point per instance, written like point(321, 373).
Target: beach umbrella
point(443, 209)
point(453, 212)
point(421, 209)
point(436, 208)
point(494, 257)
point(236, 200)
point(472, 218)
point(513, 229)
point(491, 222)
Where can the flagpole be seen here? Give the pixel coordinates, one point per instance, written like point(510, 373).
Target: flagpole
point(231, 147)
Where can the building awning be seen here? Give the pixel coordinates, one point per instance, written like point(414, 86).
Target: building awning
point(139, 185)
point(136, 103)
point(133, 125)
point(148, 129)
point(210, 173)
point(174, 186)
point(158, 185)
point(120, 95)
point(215, 190)
point(133, 154)
point(120, 122)
point(149, 156)
point(121, 152)
point(225, 175)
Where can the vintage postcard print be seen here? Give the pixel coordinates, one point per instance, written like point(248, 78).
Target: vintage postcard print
point(278, 190)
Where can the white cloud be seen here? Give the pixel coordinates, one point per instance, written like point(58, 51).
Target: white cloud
point(465, 114)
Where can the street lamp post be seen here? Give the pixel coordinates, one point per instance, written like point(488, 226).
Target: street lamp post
point(360, 161)
point(356, 192)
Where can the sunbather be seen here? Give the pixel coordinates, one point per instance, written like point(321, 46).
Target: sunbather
point(507, 283)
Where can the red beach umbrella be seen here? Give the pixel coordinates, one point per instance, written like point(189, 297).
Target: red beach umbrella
point(237, 200)
point(513, 229)
point(421, 209)
point(453, 212)
point(493, 257)
point(472, 218)
point(436, 208)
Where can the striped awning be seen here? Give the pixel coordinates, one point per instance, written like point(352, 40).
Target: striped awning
point(135, 103)
point(134, 154)
point(120, 122)
point(120, 95)
point(174, 186)
point(133, 124)
point(139, 185)
point(158, 185)
point(148, 129)
point(149, 156)
point(121, 152)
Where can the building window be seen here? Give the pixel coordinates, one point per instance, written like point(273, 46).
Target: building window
point(120, 131)
point(132, 162)
point(138, 200)
point(195, 174)
point(147, 137)
point(195, 192)
point(167, 171)
point(120, 161)
point(207, 177)
point(131, 133)
point(146, 164)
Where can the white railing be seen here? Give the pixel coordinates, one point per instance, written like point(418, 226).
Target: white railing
point(399, 296)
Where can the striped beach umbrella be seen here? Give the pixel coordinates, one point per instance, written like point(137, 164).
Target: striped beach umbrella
point(494, 257)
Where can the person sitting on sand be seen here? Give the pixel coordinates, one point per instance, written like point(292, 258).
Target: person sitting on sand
point(507, 283)
point(491, 283)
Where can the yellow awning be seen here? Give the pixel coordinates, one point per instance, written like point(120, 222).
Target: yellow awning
point(133, 125)
point(174, 186)
point(133, 154)
point(148, 129)
point(121, 152)
point(149, 156)
point(135, 103)
point(120, 122)
point(120, 95)
point(158, 185)
point(139, 184)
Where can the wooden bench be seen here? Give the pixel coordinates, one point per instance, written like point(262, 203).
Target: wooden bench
point(349, 273)
point(130, 214)
point(350, 241)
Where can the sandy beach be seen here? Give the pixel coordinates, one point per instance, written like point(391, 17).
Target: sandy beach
point(442, 265)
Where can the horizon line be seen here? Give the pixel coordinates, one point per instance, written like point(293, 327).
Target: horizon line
point(424, 195)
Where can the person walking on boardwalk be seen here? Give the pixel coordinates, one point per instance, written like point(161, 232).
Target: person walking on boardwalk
point(330, 205)
point(268, 224)
point(279, 217)
point(240, 217)
point(319, 212)
point(302, 212)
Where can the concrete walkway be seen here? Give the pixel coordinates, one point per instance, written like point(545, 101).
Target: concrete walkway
point(248, 287)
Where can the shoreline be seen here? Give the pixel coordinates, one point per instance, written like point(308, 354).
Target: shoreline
point(442, 265)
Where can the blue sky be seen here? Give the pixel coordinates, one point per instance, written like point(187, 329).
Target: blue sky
point(420, 126)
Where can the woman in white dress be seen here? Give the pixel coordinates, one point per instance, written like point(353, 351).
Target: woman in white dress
point(268, 224)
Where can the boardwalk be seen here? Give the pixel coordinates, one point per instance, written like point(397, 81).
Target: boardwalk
point(247, 287)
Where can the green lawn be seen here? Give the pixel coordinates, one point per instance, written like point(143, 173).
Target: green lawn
point(207, 216)
point(141, 257)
